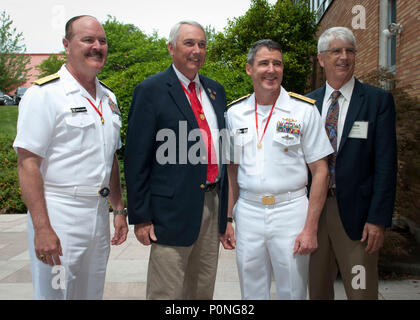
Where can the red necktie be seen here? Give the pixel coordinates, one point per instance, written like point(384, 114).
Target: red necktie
point(212, 169)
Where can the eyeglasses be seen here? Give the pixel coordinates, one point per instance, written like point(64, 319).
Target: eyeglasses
point(338, 51)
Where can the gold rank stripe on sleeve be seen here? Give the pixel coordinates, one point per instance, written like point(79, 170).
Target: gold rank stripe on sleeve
point(303, 98)
point(47, 79)
point(238, 100)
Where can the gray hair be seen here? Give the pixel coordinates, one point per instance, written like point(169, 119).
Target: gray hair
point(268, 43)
point(173, 35)
point(340, 33)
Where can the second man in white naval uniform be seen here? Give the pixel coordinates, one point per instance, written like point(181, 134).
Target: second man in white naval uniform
point(275, 135)
point(67, 135)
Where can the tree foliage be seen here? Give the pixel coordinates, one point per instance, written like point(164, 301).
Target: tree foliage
point(13, 63)
point(128, 45)
point(132, 57)
point(51, 65)
point(290, 23)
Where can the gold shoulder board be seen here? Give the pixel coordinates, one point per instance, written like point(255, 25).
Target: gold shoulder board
point(47, 79)
point(300, 97)
point(105, 86)
point(238, 100)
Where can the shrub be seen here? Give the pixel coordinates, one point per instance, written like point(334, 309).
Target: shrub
point(10, 195)
point(124, 82)
point(408, 143)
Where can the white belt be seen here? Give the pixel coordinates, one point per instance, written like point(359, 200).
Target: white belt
point(272, 199)
point(75, 191)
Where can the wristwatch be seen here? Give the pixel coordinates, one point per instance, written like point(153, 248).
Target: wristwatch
point(229, 219)
point(123, 212)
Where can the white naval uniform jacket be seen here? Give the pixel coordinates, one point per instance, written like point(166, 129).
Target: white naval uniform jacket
point(295, 136)
point(57, 123)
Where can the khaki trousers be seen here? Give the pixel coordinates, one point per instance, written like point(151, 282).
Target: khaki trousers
point(336, 251)
point(187, 273)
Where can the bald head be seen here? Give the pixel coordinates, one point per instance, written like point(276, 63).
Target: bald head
point(69, 25)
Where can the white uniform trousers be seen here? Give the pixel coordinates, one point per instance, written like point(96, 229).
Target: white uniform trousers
point(82, 225)
point(265, 237)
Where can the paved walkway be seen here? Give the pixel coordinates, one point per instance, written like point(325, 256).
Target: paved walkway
point(127, 268)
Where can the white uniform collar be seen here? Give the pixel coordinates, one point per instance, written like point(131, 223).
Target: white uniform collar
point(346, 90)
point(282, 103)
point(71, 85)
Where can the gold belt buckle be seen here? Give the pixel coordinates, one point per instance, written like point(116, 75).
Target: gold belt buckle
point(268, 200)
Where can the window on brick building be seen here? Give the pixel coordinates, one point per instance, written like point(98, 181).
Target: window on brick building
point(319, 6)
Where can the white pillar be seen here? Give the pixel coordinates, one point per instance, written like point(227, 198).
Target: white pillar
point(383, 24)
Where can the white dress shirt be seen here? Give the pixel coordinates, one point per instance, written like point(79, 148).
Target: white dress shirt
point(207, 107)
point(343, 101)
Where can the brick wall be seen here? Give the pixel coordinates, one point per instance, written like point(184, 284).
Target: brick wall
point(408, 45)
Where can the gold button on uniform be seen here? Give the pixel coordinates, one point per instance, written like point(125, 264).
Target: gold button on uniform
point(202, 186)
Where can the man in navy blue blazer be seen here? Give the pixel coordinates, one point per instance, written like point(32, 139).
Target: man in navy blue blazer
point(177, 199)
point(362, 188)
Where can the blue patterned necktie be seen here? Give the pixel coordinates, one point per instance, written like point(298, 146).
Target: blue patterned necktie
point(331, 127)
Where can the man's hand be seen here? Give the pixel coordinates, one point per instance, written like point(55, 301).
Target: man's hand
point(47, 246)
point(121, 229)
point(46, 242)
point(306, 242)
point(144, 232)
point(375, 236)
point(228, 239)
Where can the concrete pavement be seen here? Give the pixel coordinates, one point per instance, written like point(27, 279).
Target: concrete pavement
point(127, 269)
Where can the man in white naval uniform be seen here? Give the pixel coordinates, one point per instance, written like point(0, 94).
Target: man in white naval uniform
point(275, 135)
point(67, 134)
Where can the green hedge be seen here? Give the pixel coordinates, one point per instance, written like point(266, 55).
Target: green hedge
point(10, 195)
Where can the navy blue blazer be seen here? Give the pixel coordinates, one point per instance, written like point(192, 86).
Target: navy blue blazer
point(169, 195)
point(366, 169)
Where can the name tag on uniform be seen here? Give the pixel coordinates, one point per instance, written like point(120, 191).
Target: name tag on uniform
point(242, 131)
point(359, 130)
point(77, 110)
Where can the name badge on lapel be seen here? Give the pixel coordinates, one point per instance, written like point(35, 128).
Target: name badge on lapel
point(78, 110)
point(359, 130)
